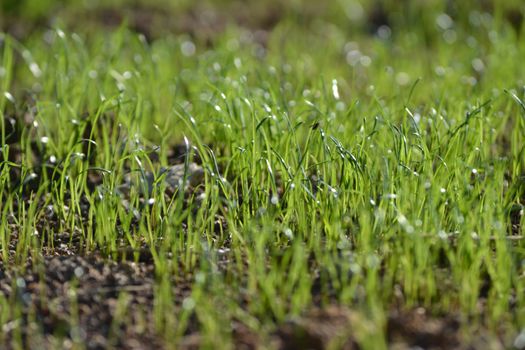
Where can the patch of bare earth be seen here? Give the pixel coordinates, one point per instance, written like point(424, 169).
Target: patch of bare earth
point(73, 298)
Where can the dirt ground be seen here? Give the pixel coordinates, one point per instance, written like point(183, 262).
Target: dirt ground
point(91, 285)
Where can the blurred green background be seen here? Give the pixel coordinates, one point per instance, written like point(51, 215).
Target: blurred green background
point(203, 19)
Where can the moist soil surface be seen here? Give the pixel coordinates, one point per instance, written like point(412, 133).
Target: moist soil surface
point(99, 290)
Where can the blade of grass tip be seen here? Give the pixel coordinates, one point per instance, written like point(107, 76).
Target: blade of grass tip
point(189, 121)
point(302, 154)
point(412, 88)
point(283, 162)
point(469, 115)
point(517, 99)
point(346, 154)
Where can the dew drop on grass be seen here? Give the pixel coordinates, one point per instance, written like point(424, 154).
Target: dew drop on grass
point(355, 268)
point(384, 32)
point(440, 71)
point(402, 219)
point(3, 71)
point(353, 57)
point(200, 277)
point(10, 97)
point(20, 282)
point(519, 342)
point(188, 48)
point(497, 225)
point(469, 80)
point(49, 37)
point(335, 89)
point(30, 177)
point(79, 272)
point(35, 69)
point(373, 261)
point(188, 304)
point(402, 78)
point(237, 62)
point(478, 65)
point(444, 21)
point(365, 61)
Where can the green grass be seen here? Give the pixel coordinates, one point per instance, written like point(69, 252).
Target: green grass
point(382, 166)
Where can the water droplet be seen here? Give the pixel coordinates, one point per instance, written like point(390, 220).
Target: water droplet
point(444, 21)
point(35, 69)
point(365, 61)
point(519, 342)
point(478, 65)
point(335, 89)
point(188, 48)
point(79, 272)
point(450, 36)
point(20, 282)
point(384, 32)
point(10, 97)
point(402, 78)
point(353, 57)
